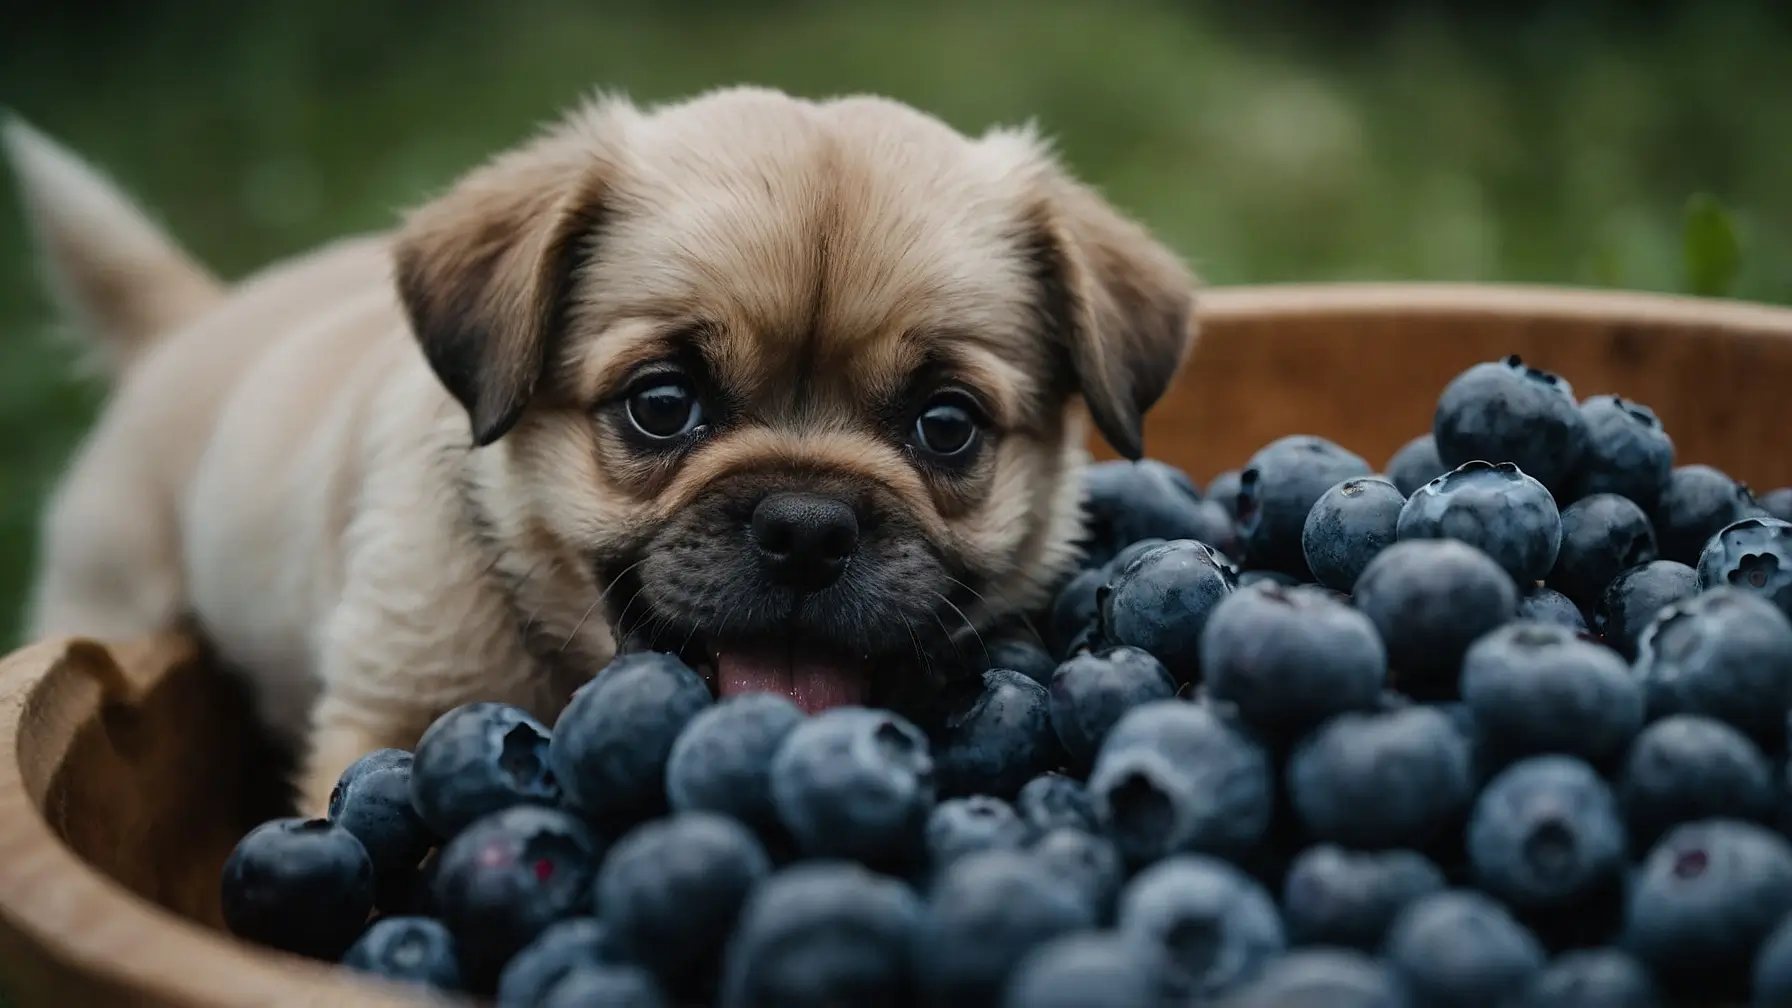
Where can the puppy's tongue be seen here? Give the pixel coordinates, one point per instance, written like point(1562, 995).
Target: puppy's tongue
point(812, 686)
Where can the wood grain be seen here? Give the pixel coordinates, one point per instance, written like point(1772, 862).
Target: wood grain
point(130, 771)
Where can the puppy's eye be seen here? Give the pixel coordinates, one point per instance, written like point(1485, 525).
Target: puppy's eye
point(664, 408)
point(947, 427)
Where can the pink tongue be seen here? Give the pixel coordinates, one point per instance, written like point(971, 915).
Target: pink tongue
point(812, 686)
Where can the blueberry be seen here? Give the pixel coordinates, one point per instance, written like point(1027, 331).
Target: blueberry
point(1698, 501)
point(1053, 800)
point(506, 877)
point(555, 952)
point(1348, 526)
point(1505, 411)
point(1087, 969)
point(857, 783)
point(1074, 609)
point(1628, 453)
point(1755, 555)
point(1539, 688)
point(1174, 777)
point(1128, 501)
point(1277, 489)
point(991, 734)
point(1333, 896)
point(612, 742)
point(1705, 900)
point(1546, 833)
point(960, 826)
point(1592, 978)
point(1493, 507)
point(1603, 536)
point(820, 934)
point(414, 950)
point(1128, 553)
point(1090, 863)
point(722, 760)
point(1778, 503)
point(985, 913)
point(372, 800)
point(1214, 926)
point(299, 885)
point(1322, 978)
point(1223, 490)
point(1724, 653)
point(1429, 599)
point(1772, 973)
point(477, 759)
point(1415, 464)
point(1459, 947)
point(612, 985)
point(1161, 601)
point(1546, 605)
point(1249, 578)
point(1684, 768)
point(1383, 780)
point(1288, 658)
point(1635, 596)
point(671, 889)
point(1023, 655)
point(1090, 692)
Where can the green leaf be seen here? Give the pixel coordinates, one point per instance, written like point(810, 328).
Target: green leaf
point(1713, 251)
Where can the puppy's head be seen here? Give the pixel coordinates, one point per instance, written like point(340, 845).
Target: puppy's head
point(790, 386)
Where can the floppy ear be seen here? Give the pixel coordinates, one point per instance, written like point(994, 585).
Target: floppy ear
point(1120, 302)
point(485, 270)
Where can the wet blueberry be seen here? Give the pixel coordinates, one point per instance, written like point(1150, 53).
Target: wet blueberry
point(1087, 969)
point(303, 886)
point(857, 783)
point(991, 734)
point(722, 760)
point(1628, 453)
point(1459, 947)
point(1634, 597)
point(1429, 599)
point(1288, 658)
point(960, 826)
point(821, 934)
point(1546, 605)
point(1334, 896)
point(1494, 507)
point(478, 759)
point(1174, 777)
point(1724, 653)
point(1348, 526)
point(1161, 601)
point(1277, 489)
point(1092, 691)
point(412, 950)
point(1384, 780)
point(613, 741)
point(1546, 834)
point(985, 912)
point(1684, 768)
point(1539, 688)
point(1215, 927)
point(1698, 501)
point(1506, 411)
point(1603, 536)
point(1415, 464)
point(1755, 555)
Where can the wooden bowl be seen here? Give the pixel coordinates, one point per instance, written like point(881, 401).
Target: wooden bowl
point(130, 773)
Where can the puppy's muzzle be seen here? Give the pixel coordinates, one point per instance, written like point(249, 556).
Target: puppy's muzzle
point(804, 540)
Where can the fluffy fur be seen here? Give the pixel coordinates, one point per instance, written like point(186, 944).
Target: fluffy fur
point(396, 474)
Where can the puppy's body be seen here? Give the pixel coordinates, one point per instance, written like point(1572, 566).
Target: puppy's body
point(680, 378)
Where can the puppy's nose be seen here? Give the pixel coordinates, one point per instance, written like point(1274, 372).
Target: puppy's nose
point(805, 539)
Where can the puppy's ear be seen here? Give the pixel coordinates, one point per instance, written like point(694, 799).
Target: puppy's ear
point(1120, 302)
point(485, 270)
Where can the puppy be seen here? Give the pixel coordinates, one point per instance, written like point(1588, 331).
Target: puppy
point(788, 387)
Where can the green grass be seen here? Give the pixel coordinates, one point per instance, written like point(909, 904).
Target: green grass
point(1563, 149)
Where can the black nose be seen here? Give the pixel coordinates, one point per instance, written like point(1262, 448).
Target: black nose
point(805, 539)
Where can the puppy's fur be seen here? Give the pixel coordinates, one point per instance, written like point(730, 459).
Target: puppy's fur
point(397, 474)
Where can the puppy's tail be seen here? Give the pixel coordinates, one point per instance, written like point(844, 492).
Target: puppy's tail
point(111, 270)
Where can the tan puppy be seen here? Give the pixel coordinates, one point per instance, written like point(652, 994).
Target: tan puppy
point(787, 387)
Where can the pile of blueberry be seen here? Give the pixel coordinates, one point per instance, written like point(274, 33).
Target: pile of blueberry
point(1505, 725)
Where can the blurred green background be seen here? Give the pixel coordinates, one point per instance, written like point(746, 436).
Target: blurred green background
point(1554, 142)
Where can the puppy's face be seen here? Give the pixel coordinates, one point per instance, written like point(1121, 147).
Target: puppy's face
point(789, 386)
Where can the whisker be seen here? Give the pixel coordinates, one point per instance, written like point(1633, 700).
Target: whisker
point(581, 623)
point(1017, 614)
point(968, 625)
point(618, 578)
